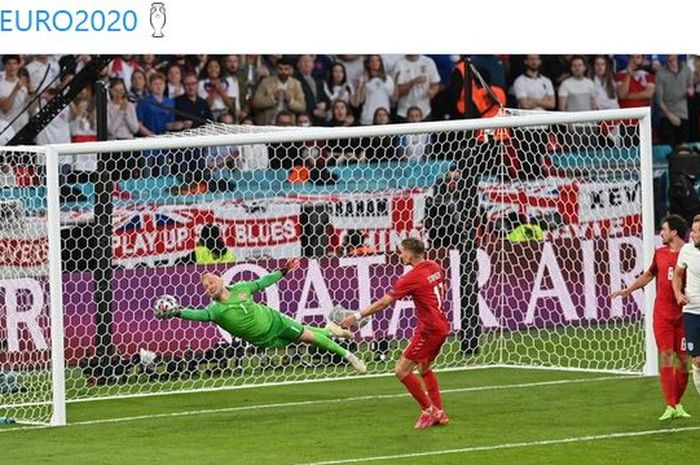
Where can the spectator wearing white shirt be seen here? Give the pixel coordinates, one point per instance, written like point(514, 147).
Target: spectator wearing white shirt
point(221, 92)
point(533, 90)
point(375, 90)
point(604, 83)
point(418, 81)
point(123, 67)
point(354, 67)
point(42, 72)
point(337, 87)
point(577, 92)
point(14, 93)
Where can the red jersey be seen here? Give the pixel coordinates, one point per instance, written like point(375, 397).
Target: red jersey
point(665, 305)
point(638, 83)
point(426, 284)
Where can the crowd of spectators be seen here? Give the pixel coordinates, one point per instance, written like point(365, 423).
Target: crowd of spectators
point(152, 94)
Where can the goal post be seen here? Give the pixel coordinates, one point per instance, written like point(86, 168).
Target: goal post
point(53, 220)
point(535, 217)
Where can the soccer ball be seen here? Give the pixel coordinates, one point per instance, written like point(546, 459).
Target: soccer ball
point(338, 314)
point(166, 304)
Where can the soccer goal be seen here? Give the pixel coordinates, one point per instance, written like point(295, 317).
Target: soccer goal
point(536, 218)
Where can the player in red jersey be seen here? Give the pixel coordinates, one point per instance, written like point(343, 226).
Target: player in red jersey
point(668, 319)
point(425, 283)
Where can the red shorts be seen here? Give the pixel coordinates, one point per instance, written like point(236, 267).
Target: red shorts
point(424, 347)
point(669, 334)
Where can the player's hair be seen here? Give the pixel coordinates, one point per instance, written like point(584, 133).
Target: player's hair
point(678, 224)
point(6, 58)
point(696, 219)
point(413, 245)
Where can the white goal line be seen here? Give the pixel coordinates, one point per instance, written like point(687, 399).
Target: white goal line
point(320, 402)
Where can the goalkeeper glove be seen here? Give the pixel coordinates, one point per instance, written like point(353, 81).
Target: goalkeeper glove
point(162, 314)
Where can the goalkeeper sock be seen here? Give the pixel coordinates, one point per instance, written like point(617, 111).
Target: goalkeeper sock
point(667, 385)
point(324, 342)
point(681, 383)
point(431, 384)
point(414, 386)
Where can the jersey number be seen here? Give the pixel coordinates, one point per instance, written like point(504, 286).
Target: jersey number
point(439, 291)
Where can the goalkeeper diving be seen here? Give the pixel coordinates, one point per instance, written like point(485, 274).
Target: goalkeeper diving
point(234, 310)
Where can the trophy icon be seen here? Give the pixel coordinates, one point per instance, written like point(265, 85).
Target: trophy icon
point(157, 19)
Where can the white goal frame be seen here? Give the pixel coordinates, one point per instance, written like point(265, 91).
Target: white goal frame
point(53, 152)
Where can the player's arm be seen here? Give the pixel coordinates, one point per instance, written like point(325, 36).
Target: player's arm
point(677, 283)
point(638, 283)
point(272, 278)
point(371, 309)
point(191, 314)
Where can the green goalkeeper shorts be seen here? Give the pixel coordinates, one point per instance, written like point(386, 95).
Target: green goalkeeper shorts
point(283, 331)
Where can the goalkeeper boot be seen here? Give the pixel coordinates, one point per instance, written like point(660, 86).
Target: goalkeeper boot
point(441, 417)
point(426, 419)
point(680, 412)
point(338, 331)
point(356, 363)
point(668, 414)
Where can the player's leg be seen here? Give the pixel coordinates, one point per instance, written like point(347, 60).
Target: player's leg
point(430, 350)
point(663, 333)
point(681, 370)
point(433, 388)
point(691, 323)
point(404, 372)
point(318, 339)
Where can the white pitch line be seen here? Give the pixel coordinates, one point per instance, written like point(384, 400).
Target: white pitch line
point(321, 401)
point(514, 445)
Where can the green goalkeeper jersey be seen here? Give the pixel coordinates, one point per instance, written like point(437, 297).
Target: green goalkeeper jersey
point(240, 315)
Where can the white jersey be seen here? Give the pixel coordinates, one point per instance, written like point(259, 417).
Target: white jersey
point(689, 259)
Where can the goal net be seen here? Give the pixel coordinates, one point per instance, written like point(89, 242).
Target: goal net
point(536, 219)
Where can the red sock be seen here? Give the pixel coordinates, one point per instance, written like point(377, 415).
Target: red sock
point(681, 383)
point(413, 385)
point(668, 385)
point(431, 384)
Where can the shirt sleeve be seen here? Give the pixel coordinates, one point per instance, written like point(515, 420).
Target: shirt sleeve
point(653, 268)
point(519, 88)
point(265, 281)
point(564, 89)
point(404, 286)
point(683, 258)
point(196, 315)
point(434, 75)
point(549, 88)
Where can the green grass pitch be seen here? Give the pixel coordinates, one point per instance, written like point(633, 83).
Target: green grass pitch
point(498, 416)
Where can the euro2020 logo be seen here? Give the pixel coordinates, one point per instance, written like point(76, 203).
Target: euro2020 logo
point(157, 19)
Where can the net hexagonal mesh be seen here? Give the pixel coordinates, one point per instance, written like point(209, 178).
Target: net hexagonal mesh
point(534, 225)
